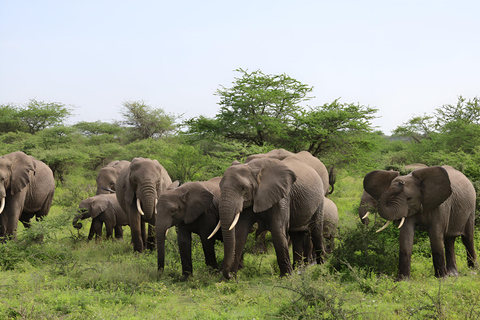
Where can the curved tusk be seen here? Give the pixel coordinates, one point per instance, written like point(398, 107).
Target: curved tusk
point(166, 232)
point(386, 225)
point(235, 220)
point(156, 201)
point(401, 223)
point(2, 205)
point(219, 224)
point(366, 215)
point(139, 207)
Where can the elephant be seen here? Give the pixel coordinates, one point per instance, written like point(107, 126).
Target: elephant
point(328, 178)
point(286, 195)
point(193, 208)
point(27, 187)
point(330, 224)
point(103, 208)
point(440, 200)
point(138, 189)
point(368, 204)
point(107, 176)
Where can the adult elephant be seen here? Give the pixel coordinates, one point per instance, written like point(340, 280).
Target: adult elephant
point(103, 209)
point(440, 200)
point(193, 208)
point(328, 178)
point(286, 195)
point(26, 190)
point(108, 175)
point(138, 188)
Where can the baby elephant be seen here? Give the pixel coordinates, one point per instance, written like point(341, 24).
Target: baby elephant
point(192, 207)
point(103, 208)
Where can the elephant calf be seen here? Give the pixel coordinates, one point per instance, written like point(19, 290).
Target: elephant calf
point(102, 209)
point(193, 208)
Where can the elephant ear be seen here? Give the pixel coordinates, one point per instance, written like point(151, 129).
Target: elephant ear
point(196, 203)
point(378, 181)
point(275, 180)
point(98, 205)
point(174, 185)
point(22, 164)
point(435, 186)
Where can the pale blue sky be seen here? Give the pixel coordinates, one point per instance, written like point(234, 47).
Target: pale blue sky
point(405, 58)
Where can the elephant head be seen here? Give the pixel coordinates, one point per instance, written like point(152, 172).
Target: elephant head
point(400, 197)
point(259, 184)
point(90, 207)
point(367, 205)
point(107, 176)
point(182, 204)
point(16, 171)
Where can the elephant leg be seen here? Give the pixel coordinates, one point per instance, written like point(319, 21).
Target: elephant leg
point(109, 230)
point(468, 242)
point(118, 232)
point(450, 256)
point(241, 233)
point(297, 239)
point(91, 232)
point(184, 239)
point(151, 237)
point(438, 252)
point(279, 229)
point(407, 233)
point(97, 226)
point(136, 230)
point(208, 246)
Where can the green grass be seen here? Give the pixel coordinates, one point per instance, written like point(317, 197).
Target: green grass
point(67, 277)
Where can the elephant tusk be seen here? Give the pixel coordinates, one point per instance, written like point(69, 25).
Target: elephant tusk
point(386, 225)
point(156, 201)
point(401, 223)
point(219, 224)
point(166, 232)
point(139, 207)
point(235, 220)
point(2, 205)
point(366, 215)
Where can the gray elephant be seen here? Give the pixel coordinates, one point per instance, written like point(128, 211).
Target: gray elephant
point(103, 208)
point(440, 200)
point(193, 208)
point(26, 190)
point(108, 175)
point(138, 188)
point(330, 224)
point(286, 195)
point(328, 178)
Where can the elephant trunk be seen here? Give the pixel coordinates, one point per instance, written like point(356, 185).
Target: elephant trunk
point(161, 229)
point(391, 206)
point(229, 207)
point(146, 201)
point(82, 215)
point(75, 223)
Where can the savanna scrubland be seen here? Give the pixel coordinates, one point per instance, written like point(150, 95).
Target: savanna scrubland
point(65, 276)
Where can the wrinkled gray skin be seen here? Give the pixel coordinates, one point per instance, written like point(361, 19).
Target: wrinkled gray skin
point(108, 175)
point(369, 204)
point(143, 179)
point(286, 195)
point(103, 208)
point(193, 208)
point(328, 178)
point(27, 186)
point(440, 200)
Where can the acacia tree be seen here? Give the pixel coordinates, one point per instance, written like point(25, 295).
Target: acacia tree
point(417, 128)
point(147, 122)
point(258, 108)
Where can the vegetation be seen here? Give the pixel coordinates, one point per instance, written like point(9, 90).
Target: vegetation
point(69, 277)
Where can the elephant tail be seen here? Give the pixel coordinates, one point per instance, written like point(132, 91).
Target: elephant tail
point(332, 177)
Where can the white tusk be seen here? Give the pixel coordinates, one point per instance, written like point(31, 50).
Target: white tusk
point(156, 201)
point(235, 220)
point(139, 207)
point(401, 223)
point(366, 215)
point(2, 205)
point(166, 232)
point(386, 225)
point(219, 224)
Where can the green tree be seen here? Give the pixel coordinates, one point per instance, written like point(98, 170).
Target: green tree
point(38, 115)
point(417, 128)
point(147, 122)
point(10, 120)
point(258, 108)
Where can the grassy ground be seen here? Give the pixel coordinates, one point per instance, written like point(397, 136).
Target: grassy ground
point(67, 277)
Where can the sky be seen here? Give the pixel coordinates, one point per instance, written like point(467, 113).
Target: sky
point(404, 58)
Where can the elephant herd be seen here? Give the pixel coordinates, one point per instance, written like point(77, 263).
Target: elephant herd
point(280, 191)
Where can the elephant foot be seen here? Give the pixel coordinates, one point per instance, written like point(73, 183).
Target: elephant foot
point(452, 273)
